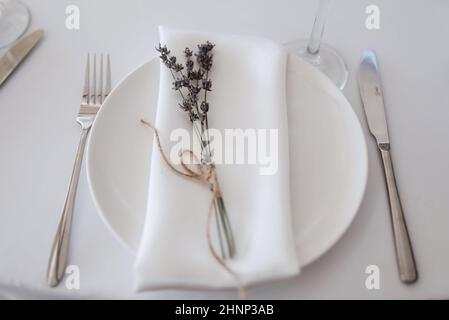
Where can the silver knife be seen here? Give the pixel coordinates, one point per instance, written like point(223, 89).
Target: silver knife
point(373, 102)
point(15, 55)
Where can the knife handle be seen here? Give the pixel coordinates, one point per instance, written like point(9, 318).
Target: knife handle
point(404, 251)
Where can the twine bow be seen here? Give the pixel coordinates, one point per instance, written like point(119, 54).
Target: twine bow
point(206, 173)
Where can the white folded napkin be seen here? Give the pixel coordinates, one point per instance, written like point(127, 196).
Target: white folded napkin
point(248, 91)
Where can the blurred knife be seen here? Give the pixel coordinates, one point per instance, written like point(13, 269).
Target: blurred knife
point(373, 103)
point(15, 55)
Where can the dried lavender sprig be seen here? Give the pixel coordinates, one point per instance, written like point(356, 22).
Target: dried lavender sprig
point(194, 81)
point(204, 60)
point(185, 81)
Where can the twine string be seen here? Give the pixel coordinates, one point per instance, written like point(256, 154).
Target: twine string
point(206, 173)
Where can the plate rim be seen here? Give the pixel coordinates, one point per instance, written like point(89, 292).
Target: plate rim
point(94, 195)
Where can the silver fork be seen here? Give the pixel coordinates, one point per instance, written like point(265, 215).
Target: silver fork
point(91, 102)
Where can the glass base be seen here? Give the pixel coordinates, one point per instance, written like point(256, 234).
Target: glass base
point(14, 21)
point(328, 61)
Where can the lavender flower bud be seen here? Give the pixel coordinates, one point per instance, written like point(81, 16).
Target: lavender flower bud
point(204, 106)
point(207, 85)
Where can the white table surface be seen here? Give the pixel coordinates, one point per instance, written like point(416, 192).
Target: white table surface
point(39, 135)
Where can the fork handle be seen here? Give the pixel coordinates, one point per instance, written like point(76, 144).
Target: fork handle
point(404, 251)
point(59, 251)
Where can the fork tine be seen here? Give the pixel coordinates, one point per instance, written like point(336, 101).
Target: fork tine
point(108, 77)
point(100, 89)
point(94, 81)
point(86, 89)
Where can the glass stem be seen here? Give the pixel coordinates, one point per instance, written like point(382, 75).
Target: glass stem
point(313, 47)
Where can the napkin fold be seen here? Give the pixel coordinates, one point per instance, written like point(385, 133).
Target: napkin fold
point(249, 92)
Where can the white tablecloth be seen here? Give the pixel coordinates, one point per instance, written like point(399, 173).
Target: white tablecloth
point(39, 135)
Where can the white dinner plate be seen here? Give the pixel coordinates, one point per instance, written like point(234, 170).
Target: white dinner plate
point(328, 157)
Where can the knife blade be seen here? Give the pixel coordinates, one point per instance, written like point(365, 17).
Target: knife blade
point(15, 55)
point(372, 98)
